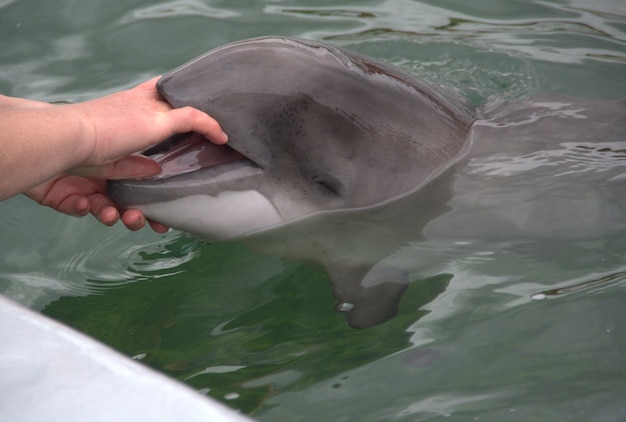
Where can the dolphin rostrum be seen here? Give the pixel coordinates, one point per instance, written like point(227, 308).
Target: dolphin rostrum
point(314, 131)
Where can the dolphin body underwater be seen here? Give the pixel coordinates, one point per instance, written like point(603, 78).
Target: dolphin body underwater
point(320, 140)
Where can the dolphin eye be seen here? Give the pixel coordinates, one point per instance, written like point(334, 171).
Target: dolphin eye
point(329, 184)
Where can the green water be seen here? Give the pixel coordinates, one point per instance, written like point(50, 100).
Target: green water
point(260, 332)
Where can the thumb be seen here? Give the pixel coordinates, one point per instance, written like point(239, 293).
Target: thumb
point(129, 167)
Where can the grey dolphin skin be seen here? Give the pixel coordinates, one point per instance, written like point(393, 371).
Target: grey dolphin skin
point(314, 132)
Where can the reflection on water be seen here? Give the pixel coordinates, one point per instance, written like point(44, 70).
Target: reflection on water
point(525, 215)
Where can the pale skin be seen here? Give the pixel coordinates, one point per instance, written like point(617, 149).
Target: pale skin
point(61, 155)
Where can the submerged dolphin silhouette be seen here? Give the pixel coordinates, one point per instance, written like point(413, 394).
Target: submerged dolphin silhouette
point(313, 129)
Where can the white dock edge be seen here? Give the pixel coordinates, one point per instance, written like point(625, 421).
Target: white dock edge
point(50, 372)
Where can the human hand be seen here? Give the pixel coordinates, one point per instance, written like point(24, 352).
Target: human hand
point(129, 121)
point(74, 148)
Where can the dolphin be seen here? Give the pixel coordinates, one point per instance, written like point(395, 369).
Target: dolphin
point(316, 134)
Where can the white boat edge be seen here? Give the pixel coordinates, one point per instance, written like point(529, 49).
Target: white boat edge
point(49, 371)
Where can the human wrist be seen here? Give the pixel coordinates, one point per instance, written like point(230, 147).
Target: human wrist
point(82, 132)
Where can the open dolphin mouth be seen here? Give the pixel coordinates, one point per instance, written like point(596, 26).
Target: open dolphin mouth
point(191, 165)
point(207, 189)
point(189, 152)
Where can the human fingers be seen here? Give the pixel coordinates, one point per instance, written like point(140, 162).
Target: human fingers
point(133, 219)
point(158, 227)
point(189, 119)
point(103, 209)
point(106, 212)
point(74, 205)
point(65, 194)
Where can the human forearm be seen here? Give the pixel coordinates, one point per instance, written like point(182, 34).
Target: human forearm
point(12, 102)
point(60, 155)
point(38, 143)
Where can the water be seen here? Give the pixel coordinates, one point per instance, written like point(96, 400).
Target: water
point(516, 311)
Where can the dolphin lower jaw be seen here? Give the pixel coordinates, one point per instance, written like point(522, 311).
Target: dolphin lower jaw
point(238, 175)
point(226, 215)
point(214, 203)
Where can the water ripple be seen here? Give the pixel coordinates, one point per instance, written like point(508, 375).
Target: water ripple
point(570, 158)
point(177, 8)
point(106, 262)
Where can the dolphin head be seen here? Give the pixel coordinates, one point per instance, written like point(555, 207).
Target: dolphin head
point(312, 129)
point(323, 143)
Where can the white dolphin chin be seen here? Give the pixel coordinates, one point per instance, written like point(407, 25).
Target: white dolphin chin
point(227, 215)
